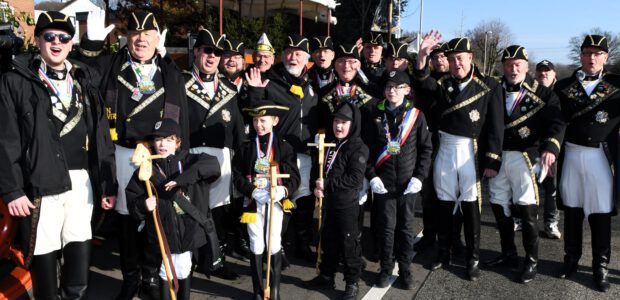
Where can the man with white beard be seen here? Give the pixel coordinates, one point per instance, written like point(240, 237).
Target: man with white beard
point(532, 136)
point(289, 85)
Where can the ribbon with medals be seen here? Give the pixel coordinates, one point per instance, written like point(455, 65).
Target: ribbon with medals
point(146, 86)
point(261, 166)
point(393, 147)
point(60, 99)
point(345, 92)
point(331, 157)
point(203, 85)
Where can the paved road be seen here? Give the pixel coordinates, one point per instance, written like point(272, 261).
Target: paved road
point(442, 284)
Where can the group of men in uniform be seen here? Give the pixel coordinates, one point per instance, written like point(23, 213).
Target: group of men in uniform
point(434, 126)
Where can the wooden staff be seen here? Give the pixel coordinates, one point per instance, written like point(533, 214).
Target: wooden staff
point(142, 157)
point(321, 145)
point(273, 183)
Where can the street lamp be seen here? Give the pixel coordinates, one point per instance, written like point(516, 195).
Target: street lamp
point(484, 66)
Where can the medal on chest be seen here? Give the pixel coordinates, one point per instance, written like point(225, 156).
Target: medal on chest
point(261, 165)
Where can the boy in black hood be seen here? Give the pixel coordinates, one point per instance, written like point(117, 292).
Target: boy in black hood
point(345, 166)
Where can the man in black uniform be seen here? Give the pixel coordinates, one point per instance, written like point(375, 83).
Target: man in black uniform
point(397, 58)
point(233, 62)
point(56, 157)
point(373, 66)
point(289, 85)
point(471, 128)
point(322, 73)
point(589, 100)
point(216, 128)
point(400, 158)
point(139, 87)
point(532, 137)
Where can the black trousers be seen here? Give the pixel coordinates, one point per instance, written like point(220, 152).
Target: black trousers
point(339, 239)
point(395, 220)
point(139, 259)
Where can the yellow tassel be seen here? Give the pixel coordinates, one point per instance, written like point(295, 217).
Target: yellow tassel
point(287, 205)
point(113, 134)
point(297, 91)
point(248, 218)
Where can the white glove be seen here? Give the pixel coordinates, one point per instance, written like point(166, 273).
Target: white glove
point(161, 46)
point(280, 193)
point(261, 196)
point(95, 26)
point(414, 186)
point(377, 187)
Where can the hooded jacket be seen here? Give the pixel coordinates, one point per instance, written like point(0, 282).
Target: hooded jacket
point(344, 179)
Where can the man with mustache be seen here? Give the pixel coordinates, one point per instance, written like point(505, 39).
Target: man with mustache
point(140, 86)
point(216, 128)
point(289, 85)
point(57, 158)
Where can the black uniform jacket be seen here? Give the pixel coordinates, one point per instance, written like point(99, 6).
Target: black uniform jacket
point(32, 160)
point(216, 122)
point(301, 122)
point(373, 72)
point(475, 112)
point(330, 100)
point(318, 76)
point(127, 116)
point(414, 159)
point(245, 157)
point(536, 124)
point(592, 120)
point(182, 231)
point(344, 179)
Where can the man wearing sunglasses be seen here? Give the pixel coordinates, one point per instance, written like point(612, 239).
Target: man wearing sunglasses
point(140, 86)
point(216, 128)
point(588, 172)
point(57, 157)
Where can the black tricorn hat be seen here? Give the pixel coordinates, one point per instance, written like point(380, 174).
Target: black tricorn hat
point(458, 45)
point(347, 50)
point(376, 38)
point(232, 45)
point(54, 20)
point(441, 47)
point(207, 38)
point(595, 40)
point(398, 50)
point(166, 127)
point(320, 42)
point(297, 41)
point(265, 108)
point(514, 52)
point(141, 20)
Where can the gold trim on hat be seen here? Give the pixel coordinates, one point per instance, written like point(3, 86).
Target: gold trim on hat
point(292, 44)
point(374, 38)
point(322, 44)
point(594, 43)
point(141, 26)
point(65, 19)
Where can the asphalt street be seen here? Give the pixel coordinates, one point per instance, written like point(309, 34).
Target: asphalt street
point(450, 283)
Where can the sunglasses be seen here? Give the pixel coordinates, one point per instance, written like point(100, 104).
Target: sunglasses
point(63, 38)
point(211, 50)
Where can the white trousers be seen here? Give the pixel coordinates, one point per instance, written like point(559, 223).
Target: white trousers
point(219, 190)
point(182, 265)
point(586, 180)
point(454, 170)
point(304, 163)
point(258, 230)
point(513, 182)
point(65, 217)
point(124, 170)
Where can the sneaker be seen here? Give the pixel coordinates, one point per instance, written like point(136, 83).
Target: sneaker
point(383, 280)
point(518, 225)
point(552, 231)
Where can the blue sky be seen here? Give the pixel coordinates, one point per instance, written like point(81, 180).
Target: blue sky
point(544, 27)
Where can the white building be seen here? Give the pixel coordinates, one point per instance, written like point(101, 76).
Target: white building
point(77, 10)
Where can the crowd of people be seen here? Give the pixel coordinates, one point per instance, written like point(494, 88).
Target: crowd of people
point(243, 152)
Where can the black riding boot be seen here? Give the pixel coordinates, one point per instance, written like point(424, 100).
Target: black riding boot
point(471, 222)
point(44, 275)
point(256, 268)
point(74, 278)
point(444, 234)
point(276, 269)
point(573, 234)
point(505, 225)
point(600, 225)
point(529, 218)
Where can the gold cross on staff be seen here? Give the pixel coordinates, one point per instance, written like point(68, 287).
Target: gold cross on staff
point(273, 184)
point(321, 145)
